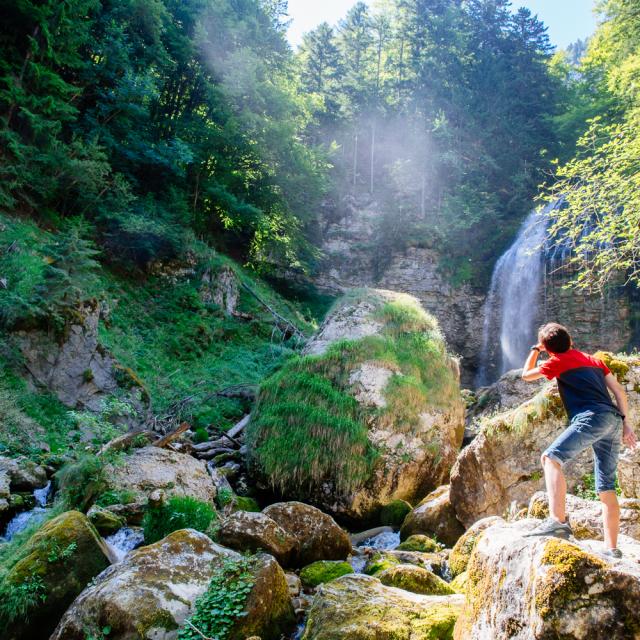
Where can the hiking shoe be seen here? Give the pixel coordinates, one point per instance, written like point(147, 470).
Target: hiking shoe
point(613, 553)
point(551, 527)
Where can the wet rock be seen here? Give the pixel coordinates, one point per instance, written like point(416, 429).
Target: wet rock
point(434, 516)
point(151, 468)
point(461, 552)
point(361, 608)
point(247, 531)
point(317, 535)
point(106, 522)
point(380, 561)
point(414, 579)
point(20, 475)
point(151, 593)
point(539, 588)
point(419, 543)
point(324, 571)
point(56, 564)
point(585, 516)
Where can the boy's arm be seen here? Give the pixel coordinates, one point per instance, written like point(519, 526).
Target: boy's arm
point(628, 435)
point(530, 372)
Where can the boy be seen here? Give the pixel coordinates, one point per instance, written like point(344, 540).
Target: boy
point(584, 383)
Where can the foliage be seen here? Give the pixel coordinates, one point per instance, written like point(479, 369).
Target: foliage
point(177, 513)
point(82, 481)
point(599, 219)
point(222, 604)
point(308, 428)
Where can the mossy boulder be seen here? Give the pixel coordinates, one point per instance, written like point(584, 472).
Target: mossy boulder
point(244, 503)
point(247, 531)
point(52, 568)
point(394, 513)
point(372, 413)
point(461, 552)
point(380, 562)
point(106, 522)
point(542, 588)
point(434, 516)
point(414, 579)
point(324, 571)
point(362, 608)
point(151, 593)
point(318, 535)
point(459, 583)
point(419, 543)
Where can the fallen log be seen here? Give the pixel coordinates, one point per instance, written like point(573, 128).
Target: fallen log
point(164, 441)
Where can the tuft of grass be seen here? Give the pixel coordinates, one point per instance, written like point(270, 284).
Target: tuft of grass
point(177, 513)
point(307, 427)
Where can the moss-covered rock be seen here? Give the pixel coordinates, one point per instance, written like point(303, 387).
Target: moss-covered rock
point(419, 543)
point(414, 579)
point(151, 593)
point(244, 503)
point(370, 415)
point(542, 588)
point(394, 513)
point(318, 535)
point(324, 571)
point(52, 568)
point(106, 522)
point(246, 531)
point(459, 583)
point(380, 562)
point(461, 552)
point(434, 516)
point(361, 608)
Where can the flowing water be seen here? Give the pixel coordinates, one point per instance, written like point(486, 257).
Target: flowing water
point(513, 309)
point(26, 518)
point(125, 540)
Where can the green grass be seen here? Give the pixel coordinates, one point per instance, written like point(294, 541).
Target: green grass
point(308, 428)
point(177, 513)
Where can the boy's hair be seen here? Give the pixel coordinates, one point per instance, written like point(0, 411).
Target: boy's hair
point(554, 337)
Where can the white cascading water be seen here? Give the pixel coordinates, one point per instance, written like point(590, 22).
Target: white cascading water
point(513, 308)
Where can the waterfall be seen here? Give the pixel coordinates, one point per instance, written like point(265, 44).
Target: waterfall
point(513, 306)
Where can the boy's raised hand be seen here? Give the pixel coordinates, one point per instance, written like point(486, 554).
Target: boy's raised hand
point(628, 436)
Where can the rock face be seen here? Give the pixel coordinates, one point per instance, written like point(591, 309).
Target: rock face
point(502, 465)
point(434, 516)
point(78, 369)
point(461, 552)
point(585, 516)
point(361, 608)
point(151, 468)
point(62, 558)
point(539, 588)
point(399, 438)
point(352, 260)
point(221, 288)
point(151, 593)
point(17, 476)
point(317, 535)
point(245, 531)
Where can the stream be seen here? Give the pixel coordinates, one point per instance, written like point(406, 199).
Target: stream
point(26, 518)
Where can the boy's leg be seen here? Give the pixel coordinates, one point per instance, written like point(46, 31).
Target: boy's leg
point(611, 518)
point(556, 488)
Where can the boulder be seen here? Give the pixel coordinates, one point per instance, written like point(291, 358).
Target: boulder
point(361, 608)
point(585, 516)
point(373, 414)
point(501, 468)
point(106, 522)
point(317, 534)
point(382, 560)
point(323, 571)
point(148, 469)
point(539, 588)
point(461, 552)
point(434, 516)
point(629, 473)
point(151, 593)
point(54, 566)
point(20, 474)
point(414, 579)
point(419, 542)
point(249, 531)
point(394, 513)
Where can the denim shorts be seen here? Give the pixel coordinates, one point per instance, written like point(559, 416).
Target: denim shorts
point(603, 432)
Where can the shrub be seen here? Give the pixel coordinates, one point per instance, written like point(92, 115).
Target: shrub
point(177, 513)
point(81, 482)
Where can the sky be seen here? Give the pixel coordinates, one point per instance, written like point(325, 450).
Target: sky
point(567, 20)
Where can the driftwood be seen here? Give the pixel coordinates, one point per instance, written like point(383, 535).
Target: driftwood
point(124, 441)
point(238, 428)
point(212, 453)
point(219, 480)
point(357, 538)
point(163, 442)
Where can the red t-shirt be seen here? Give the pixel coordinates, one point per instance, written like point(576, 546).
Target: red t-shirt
point(581, 381)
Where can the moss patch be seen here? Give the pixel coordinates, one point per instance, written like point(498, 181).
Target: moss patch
point(380, 562)
point(394, 513)
point(419, 542)
point(414, 579)
point(324, 571)
point(618, 367)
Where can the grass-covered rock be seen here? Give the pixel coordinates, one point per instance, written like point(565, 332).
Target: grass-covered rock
point(414, 579)
point(44, 576)
point(324, 571)
point(156, 588)
point(362, 608)
point(370, 415)
point(419, 542)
